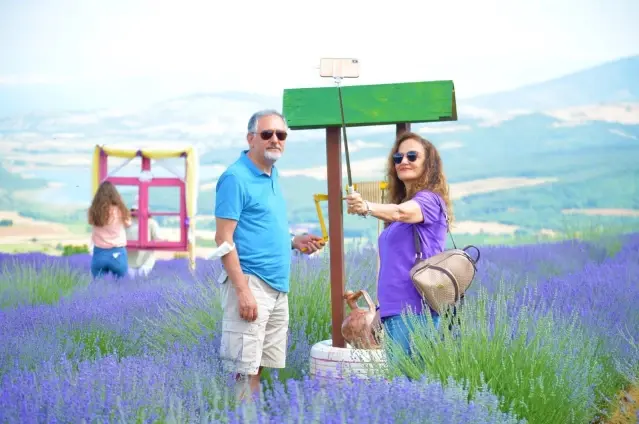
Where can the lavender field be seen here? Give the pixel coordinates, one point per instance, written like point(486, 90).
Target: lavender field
point(549, 334)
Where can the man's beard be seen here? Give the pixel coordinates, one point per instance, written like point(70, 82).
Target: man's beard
point(272, 155)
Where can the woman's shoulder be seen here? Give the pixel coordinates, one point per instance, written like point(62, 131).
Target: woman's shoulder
point(429, 197)
point(432, 205)
point(427, 193)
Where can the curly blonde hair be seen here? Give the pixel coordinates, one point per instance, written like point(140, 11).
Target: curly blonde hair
point(106, 197)
point(432, 179)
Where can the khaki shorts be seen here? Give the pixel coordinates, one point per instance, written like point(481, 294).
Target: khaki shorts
point(248, 345)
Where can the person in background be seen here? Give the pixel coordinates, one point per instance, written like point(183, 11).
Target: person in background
point(108, 217)
point(250, 213)
point(141, 262)
point(418, 197)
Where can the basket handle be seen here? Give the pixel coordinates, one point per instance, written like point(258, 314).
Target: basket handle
point(352, 298)
point(371, 305)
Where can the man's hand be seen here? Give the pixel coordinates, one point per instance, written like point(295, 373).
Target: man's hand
point(308, 243)
point(247, 304)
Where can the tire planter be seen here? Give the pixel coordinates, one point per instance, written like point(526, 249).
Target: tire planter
point(328, 362)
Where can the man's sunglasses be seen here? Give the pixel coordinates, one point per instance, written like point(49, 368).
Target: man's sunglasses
point(267, 134)
point(398, 157)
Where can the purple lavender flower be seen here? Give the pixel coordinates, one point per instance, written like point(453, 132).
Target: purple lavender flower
point(146, 349)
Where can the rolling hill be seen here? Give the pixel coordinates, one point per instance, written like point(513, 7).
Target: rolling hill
point(612, 82)
point(576, 138)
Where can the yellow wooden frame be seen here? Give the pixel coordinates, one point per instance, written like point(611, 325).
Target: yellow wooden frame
point(367, 193)
point(317, 198)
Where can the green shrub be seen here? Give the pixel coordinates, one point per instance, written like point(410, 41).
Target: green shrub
point(68, 249)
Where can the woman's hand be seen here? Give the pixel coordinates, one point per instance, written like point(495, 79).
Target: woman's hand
point(356, 205)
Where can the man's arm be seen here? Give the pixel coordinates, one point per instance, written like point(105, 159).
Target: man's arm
point(229, 202)
point(154, 229)
point(224, 229)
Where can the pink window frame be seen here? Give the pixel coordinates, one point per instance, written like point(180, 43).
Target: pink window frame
point(143, 214)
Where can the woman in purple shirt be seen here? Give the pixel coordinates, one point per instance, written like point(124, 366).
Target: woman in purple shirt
point(418, 196)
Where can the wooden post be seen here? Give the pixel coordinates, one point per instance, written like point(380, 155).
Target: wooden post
point(143, 208)
point(103, 168)
point(335, 231)
point(402, 128)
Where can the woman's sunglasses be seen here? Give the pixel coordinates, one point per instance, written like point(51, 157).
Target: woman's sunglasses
point(398, 157)
point(267, 134)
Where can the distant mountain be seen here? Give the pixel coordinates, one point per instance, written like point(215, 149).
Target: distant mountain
point(611, 82)
point(215, 121)
point(189, 119)
point(12, 181)
point(592, 146)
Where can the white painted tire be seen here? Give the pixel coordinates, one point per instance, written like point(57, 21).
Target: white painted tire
point(337, 362)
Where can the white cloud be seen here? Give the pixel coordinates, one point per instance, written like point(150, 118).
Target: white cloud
point(449, 145)
point(499, 117)
point(371, 130)
point(623, 134)
point(24, 136)
point(562, 124)
point(74, 119)
point(358, 145)
point(31, 79)
point(7, 146)
point(488, 117)
point(365, 169)
point(623, 113)
point(55, 160)
point(67, 136)
point(215, 127)
point(47, 145)
point(444, 129)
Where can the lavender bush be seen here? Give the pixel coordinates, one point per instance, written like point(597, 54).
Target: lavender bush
point(548, 334)
point(36, 279)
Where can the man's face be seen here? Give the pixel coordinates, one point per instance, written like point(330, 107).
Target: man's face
point(269, 140)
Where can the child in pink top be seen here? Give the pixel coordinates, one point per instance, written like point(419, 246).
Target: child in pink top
point(109, 217)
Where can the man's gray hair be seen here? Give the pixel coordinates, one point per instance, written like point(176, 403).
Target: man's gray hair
point(252, 123)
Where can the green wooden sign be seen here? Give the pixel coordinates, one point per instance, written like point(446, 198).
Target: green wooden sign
point(379, 104)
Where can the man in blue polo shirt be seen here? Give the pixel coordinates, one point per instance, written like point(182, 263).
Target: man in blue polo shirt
point(250, 212)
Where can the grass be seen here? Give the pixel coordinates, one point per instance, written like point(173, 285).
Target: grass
point(184, 320)
point(32, 286)
point(93, 343)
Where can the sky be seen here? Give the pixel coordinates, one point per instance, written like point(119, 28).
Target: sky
point(78, 54)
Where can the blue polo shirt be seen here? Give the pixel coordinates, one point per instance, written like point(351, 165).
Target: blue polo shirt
point(254, 199)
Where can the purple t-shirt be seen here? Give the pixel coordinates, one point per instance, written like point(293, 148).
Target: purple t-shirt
point(395, 290)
